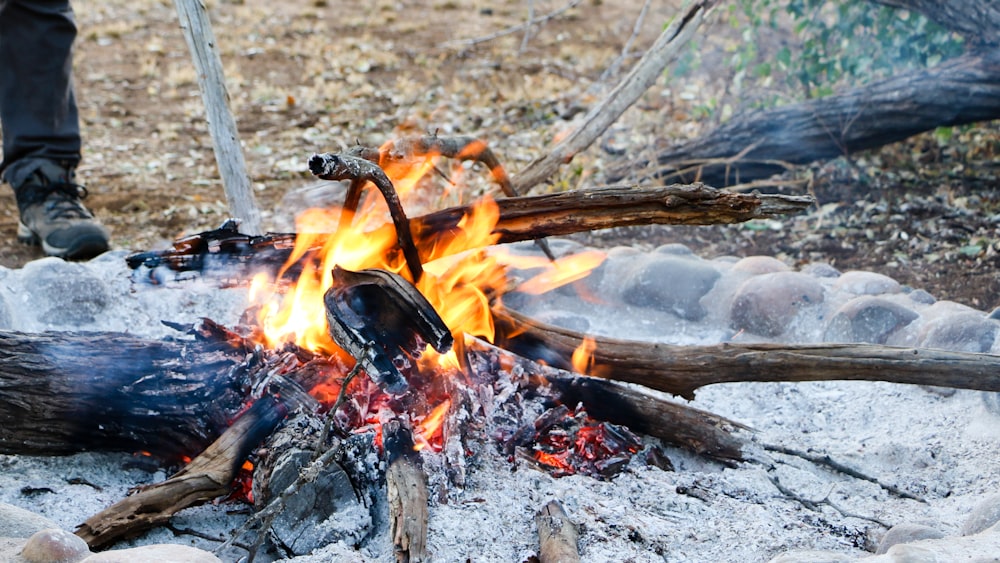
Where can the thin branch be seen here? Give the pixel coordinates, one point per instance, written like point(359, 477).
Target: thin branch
point(642, 76)
point(510, 30)
point(835, 465)
point(636, 28)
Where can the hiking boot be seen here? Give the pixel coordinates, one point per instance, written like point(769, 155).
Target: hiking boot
point(53, 216)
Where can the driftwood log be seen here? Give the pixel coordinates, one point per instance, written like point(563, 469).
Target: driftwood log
point(762, 143)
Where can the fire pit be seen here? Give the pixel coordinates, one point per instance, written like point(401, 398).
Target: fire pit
point(439, 444)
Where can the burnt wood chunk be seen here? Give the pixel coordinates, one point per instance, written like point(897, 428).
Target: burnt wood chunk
point(383, 322)
point(557, 535)
point(406, 482)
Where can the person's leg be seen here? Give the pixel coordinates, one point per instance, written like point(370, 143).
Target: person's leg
point(41, 128)
point(37, 105)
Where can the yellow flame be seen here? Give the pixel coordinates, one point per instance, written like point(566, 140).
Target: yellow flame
point(565, 270)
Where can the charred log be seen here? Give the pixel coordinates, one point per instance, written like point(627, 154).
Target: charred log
point(407, 490)
point(208, 476)
point(231, 256)
point(63, 393)
point(681, 370)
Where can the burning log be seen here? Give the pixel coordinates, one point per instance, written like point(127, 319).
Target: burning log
point(227, 253)
point(557, 535)
point(407, 487)
point(208, 476)
point(681, 370)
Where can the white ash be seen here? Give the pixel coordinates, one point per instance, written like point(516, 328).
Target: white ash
point(942, 449)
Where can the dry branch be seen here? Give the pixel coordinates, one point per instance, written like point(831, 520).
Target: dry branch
point(683, 369)
point(667, 47)
point(208, 476)
point(198, 33)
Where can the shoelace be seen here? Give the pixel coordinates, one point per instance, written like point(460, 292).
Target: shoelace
point(63, 201)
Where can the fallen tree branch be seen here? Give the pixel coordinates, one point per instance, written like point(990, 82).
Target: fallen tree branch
point(681, 370)
point(962, 90)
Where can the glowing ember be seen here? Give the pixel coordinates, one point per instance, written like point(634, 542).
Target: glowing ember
point(566, 443)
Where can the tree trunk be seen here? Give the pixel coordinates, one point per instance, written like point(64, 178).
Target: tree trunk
point(760, 144)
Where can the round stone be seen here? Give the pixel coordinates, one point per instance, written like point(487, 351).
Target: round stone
point(63, 294)
point(53, 545)
point(16, 522)
point(674, 248)
point(866, 283)
point(983, 516)
point(922, 297)
point(821, 270)
point(867, 319)
point(671, 284)
point(960, 332)
point(766, 304)
point(906, 533)
point(757, 265)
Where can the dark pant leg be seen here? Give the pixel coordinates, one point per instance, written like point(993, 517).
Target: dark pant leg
point(37, 106)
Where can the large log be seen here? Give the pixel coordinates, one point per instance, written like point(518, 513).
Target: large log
point(681, 370)
point(63, 393)
point(759, 144)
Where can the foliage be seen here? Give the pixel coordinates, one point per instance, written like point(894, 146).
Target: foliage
point(793, 49)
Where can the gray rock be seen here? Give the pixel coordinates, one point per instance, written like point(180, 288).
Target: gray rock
point(821, 270)
point(960, 332)
point(994, 314)
point(159, 553)
point(867, 319)
point(757, 265)
point(984, 515)
point(64, 294)
point(812, 556)
point(766, 304)
point(54, 545)
point(906, 533)
point(866, 283)
point(922, 297)
point(17, 522)
point(675, 248)
point(671, 284)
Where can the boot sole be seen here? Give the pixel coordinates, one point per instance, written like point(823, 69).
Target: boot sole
point(83, 248)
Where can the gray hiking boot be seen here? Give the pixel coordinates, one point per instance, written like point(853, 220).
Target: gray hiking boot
point(53, 216)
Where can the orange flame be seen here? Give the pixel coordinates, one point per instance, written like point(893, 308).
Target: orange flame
point(583, 356)
point(431, 429)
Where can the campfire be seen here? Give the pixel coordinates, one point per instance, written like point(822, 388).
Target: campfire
point(377, 358)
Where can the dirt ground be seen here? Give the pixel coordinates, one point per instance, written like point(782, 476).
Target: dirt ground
point(311, 76)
